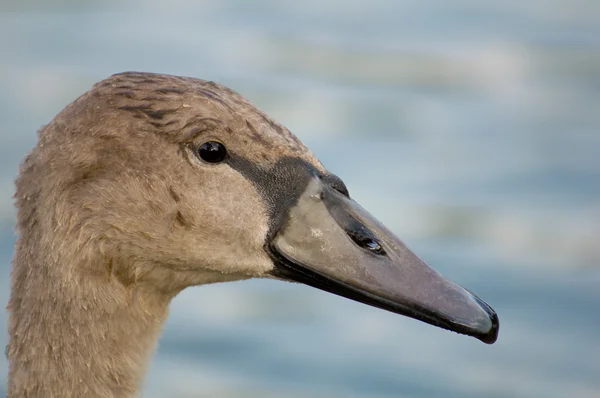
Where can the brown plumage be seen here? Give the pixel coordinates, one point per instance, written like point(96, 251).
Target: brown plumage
point(119, 210)
point(116, 216)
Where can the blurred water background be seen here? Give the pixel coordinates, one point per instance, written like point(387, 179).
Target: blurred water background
point(471, 128)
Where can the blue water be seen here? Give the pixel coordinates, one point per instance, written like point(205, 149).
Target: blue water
point(471, 128)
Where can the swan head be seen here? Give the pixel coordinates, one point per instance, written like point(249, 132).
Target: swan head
point(171, 182)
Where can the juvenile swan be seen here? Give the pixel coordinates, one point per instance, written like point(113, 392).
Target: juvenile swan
point(148, 184)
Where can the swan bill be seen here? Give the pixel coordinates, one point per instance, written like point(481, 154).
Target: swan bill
point(331, 243)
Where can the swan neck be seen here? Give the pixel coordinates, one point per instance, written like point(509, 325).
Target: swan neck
point(77, 333)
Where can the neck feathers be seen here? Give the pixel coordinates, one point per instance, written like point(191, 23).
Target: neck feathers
point(76, 331)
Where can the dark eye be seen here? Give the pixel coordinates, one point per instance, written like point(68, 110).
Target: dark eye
point(212, 152)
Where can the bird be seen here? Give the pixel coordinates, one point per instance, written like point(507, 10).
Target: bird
point(148, 184)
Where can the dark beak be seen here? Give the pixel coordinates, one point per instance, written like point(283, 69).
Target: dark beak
point(329, 242)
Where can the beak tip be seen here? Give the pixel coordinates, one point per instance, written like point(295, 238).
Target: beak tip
point(491, 335)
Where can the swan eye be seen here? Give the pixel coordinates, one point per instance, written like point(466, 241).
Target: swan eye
point(212, 152)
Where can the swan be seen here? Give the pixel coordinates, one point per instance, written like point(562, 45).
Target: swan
point(150, 183)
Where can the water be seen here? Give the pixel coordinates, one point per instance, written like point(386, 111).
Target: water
point(470, 128)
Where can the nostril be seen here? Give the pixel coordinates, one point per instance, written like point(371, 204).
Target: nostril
point(374, 246)
point(365, 240)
